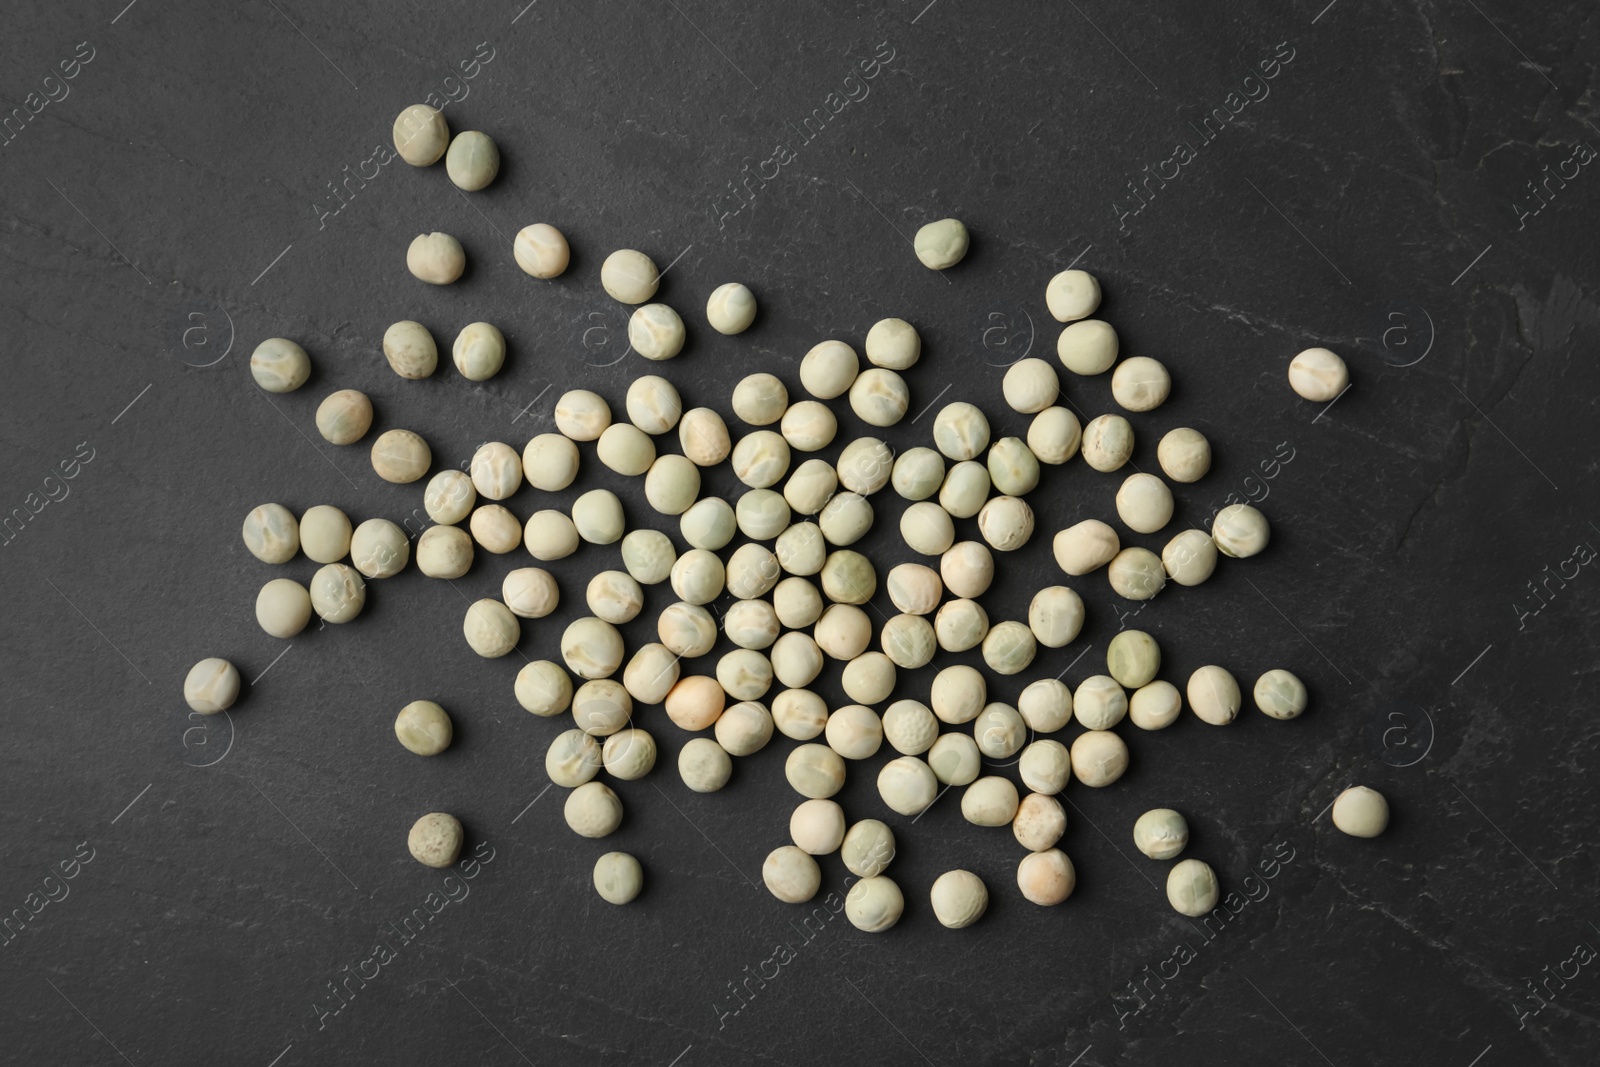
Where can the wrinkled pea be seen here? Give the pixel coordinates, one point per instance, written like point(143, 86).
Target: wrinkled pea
point(279, 365)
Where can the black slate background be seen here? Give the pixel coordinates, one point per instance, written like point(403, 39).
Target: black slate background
point(161, 219)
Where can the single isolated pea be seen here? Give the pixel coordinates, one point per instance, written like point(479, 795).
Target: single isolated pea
point(1184, 454)
point(1192, 888)
point(1155, 706)
point(745, 675)
point(626, 449)
point(731, 308)
point(212, 685)
point(472, 161)
point(593, 810)
point(1214, 695)
point(279, 365)
point(1099, 758)
point(1133, 658)
point(1085, 547)
point(548, 535)
point(704, 765)
point(421, 135)
point(272, 533)
point(283, 607)
point(479, 351)
point(618, 878)
point(893, 343)
point(435, 839)
point(1361, 812)
point(1072, 295)
point(1240, 531)
point(490, 628)
point(337, 593)
point(1161, 833)
point(1087, 347)
point(1107, 443)
point(344, 417)
point(325, 534)
point(582, 415)
point(958, 694)
point(423, 727)
point(791, 874)
point(541, 250)
point(495, 528)
point(1054, 436)
point(629, 276)
point(400, 456)
point(1046, 878)
point(1318, 374)
point(1280, 694)
point(436, 258)
point(410, 349)
point(874, 904)
point(959, 899)
point(656, 332)
point(828, 369)
point(1140, 384)
point(591, 648)
point(444, 552)
point(941, 245)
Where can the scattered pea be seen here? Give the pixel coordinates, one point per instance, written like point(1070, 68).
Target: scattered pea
point(845, 519)
point(1087, 347)
point(1192, 888)
point(283, 607)
point(815, 771)
point(421, 135)
point(1140, 384)
point(817, 827)
point(648, 555)
point(918, 473)
point(444, 552)
point(966, 488)
point(1055, 615)
point(799, 714)
point(1099, 703)
point(271, 533)
point(1054, 436)
point(960, 431)
point(1318, 374)
point(550, 462)
point(990, 801)
point(704, 766)
point(796, 602)
point(530, 592)
point(1155, 706)
point(746, 727)
point(1161, 833)
point(597, 516)
point(212, 685)
point(601, 707)
point(435, 840)
point(1107, 443)
point(496, 470)
point(809, 426)
point(1190, 557)
point(893, 343)
point(618, 878)
point(960, 625)
point(828, 369)
point(541, 250)
point(1184, 455)
point(1213, 695)
point(1072, 295)
point(687, 629)
point(760, 399)
point(1240, 531)
point(880, 397)
point(801, 549)
point(626, 449)
point(1280, 694)
point(1136, 574)
point(549, 535)
point(999, 731)
point(762, 515)
point(279, 365)
point(704, 437)
point(1046, 878)
point(1361, 812)
point(874, 904)
point(791, 874)
point(629, 277)
point(869, 678)
point(423, 727)
point(651, 673)
point(344, 417)
point(1133, 658)
point(854, 731)
point(490, 628)
point(472, 161)
point(436, 258)
point(745, 675)
point(591, 648)
point(1045, 766)
point(479, 351)
point(1013, 468)
point(1039, 823)
point(495, 529)
point(400, 456)
point(410, 350)
point(731, 308)
point(1006, 522)
point(1046, 706)
point(1099, 758)
point(449, 497)
point(752, 624)
point(959, 899)
point(1031, 385)
point(909, 641)
point(582, 415)
point(337, 593)
point(543, 689)
point(1009, 647)
point(954, 759)
point(967, 569)
point(593, 810)
point(656, 332)
point(868, 848)
point(699, 576)
point(695, 702)
point(941, 245)
point(671, 484)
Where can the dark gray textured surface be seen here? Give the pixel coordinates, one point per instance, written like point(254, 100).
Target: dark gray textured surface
point(171, 210)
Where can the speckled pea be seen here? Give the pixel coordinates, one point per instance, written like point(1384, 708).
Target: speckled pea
point(1055, 615)
point(435, 840)
point(279, 365)
point(703, 435)
point(703, 765)
point(472, 161)
point(344, 417)
point(1039, 823)
point(1318, 374)
point(401, 456)
point(1099, 703)
point(573, 757)
point(1280, 694)
point(410, 349)
point(593, 810)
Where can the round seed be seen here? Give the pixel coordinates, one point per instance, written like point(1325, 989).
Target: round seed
point(801, 549)
point(1099, 703)
point(1013, 468)
point(618, 878)
point(760, 399)
point(1039, 823)
point(530, 592)
point(815, 771)
point(687, 629)
point(283, 607)
point(1192, 887)
point(1214, 695)
point(496, 470)
point(1087, 347)
point(1045, 767)
point(1046, 706)
point(941, 245)
point(436, 258)
point(709, 523)
point(810, 486)
point(421, 135)
point(423, 727)
point(435, 840)
point(271, 533)
point(344, 417)
point(541, 250)
point(762, 514)
point(1155, 706)
point(907, 785)
point(744, 675)
point(880, 397)
point(796, 602)
point(1190, 557)
point(731, 308)
point(656, 332)
point(959, 899)
point(490, 628)
point(479, 351)
point(1099, 758)
point(1140, 384)
point(845, 519)
point(651, 673)
point(1009, 647)
point(699, 576)
point(410, 350)
point(1055, 615)
point(960, 625)
point(472, 160)
point(873, 905)
point(1046, 878)
point(1072, 295)
point(1006, 522)
point(550, 462)
point(909, 727)
point(1361, 812)
point(854, 731)
point(549, 535)
point(967, 569)
point(695, 702)
point(449, 497)
point(954, 759)
point(337, 593)
point(868, 848)
point(1054, 436)
point(279, 365)
point(593, 810)
point(791, 874)
point(630, 277)
point(601, 707)
point(999, 731)
point(745, 728)
point(495, 529)
point(809, 426)
point(591, 648)
point(864, 465)
point(752, 571)
point(893, 343)
point(918, 473)
point(400, 456)
point(799, 714)
point(582, 415)
point(960, 430)
point(1240, 531)
point(544, 689)
point(1107, 443)
point(829, 369)
point(324, 534)
point(965, 489)
point(212, 685)
point(761, 459)
point(990, 801)
point(1184, 455)
point(626, 449)
point(444, 552)
point(648, 556)
point(1318, 374)
point(1136, 574)
point(817, 827)
point(1280, 694)
point(597, 516)
point(1161, 833)
point(704, 766)
point(1133, 658)
point(704, 437)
